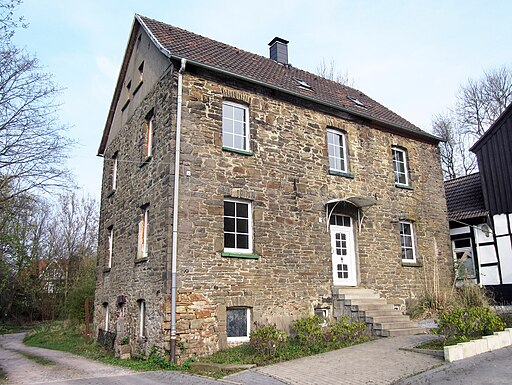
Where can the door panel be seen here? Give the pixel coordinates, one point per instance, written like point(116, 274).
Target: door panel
point(343, 256)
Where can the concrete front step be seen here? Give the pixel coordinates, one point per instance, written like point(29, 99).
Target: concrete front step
point(387, 318)
point(400, 332)
point(373, 307)
point(365, 301)
point(394, 325)
point(381, 313)
point(353, 293)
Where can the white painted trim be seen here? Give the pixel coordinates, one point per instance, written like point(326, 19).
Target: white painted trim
point(406, 165)
point(460, 230)
point(248, 315)
point(246, 122)
point(343, 136)
point(250, 229)
point(413, 241)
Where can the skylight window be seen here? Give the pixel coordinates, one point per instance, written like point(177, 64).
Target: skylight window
point(356, 101)
point(302, 84)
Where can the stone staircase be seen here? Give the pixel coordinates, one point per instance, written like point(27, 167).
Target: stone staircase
point(366, 305)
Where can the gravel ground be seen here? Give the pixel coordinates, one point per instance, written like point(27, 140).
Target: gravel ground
point(21, 370)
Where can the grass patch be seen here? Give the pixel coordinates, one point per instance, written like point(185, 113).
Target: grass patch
point(245, 354)
point(59, 336)
point(3, 376)
point(36, 359)
point(8, 329)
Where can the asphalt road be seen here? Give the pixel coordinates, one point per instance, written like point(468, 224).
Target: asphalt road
point(491, 368)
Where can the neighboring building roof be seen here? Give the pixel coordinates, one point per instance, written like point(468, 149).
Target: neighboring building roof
point(464, 197)
point(178, 43)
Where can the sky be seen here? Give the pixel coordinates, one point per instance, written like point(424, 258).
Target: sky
point(411, 56)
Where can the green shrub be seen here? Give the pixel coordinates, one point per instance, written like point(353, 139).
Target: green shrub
point(267, 339)
point(310, 330)
point(344, 330)
point(463, 324)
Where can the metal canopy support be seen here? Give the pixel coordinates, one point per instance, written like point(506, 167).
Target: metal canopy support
point(359, 202)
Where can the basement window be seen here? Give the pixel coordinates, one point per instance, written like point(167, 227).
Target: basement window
point(238, 325)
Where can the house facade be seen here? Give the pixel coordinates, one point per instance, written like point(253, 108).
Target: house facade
point(480, 213)
point(281, 187)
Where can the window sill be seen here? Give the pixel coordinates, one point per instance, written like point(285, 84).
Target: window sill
point(112, 192)
point(137, 88)
point(146, 161)
point(411, 263)
point(403, 186)
point(239, 255)
point(140, 260)
point(125, 105)
point(235, 150)
point(107, 269)
point(341, 173)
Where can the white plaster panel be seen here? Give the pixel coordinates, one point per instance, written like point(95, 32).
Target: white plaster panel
point(459, 230)
point(487, 254)
point(481, 237)
point(500, 224)
point(505, 255)
point(489, 275)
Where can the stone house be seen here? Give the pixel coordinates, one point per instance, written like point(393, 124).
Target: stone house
point(238, 188)
point(480, 213)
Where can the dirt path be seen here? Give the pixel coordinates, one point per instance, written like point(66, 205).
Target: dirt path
point(21, 370)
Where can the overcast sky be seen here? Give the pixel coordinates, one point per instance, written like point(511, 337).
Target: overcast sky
point(411, 56)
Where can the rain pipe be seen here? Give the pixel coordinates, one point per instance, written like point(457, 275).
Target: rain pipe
point(175, 211)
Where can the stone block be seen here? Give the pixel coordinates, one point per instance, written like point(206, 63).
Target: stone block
point(453, 353)
point(480, 346)
point(468, 349)
point(493, 342)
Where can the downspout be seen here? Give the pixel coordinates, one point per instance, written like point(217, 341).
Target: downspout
point(175, 211)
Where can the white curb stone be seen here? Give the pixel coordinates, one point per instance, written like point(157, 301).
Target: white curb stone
point(486, 344)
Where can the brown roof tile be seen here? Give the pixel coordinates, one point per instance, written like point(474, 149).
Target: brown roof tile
point(464, 197)
point(180, 43)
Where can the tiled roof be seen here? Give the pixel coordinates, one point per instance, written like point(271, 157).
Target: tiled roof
point(179, 43)
point(464, 197)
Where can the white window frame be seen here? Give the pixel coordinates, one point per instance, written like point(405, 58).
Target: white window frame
point(107, 316)
point(248, 316)
point(343, 154)
point(413, 241)
point(142, 250)
point(397, 173)
point(149, 134)
point(114, 171)
point(231, 119)
point(110, 246)
point(463, 249)
point(250, 227)
point(142, 318)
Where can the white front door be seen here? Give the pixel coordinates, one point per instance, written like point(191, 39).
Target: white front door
point(343, 251)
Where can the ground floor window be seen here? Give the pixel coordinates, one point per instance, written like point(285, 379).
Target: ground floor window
point(106, 316)
point(465, 266)
point(142, 318)
point(407, 241)
point(238, 324)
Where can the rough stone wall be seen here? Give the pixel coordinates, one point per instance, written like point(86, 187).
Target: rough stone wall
point(288, 182)
point(140, 182)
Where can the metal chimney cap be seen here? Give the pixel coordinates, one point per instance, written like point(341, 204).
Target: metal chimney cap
point(278, 39)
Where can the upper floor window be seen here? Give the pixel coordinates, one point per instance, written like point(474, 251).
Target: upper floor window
point(235, 126)
point(142, 249)
point(114, 171)
point(407, 241)
point(337, 149)
point(400, 166)
point(141, 71)
point(149, 128)
point(237, 226)
point(110, 247)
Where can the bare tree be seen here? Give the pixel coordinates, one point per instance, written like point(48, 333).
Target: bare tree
point(328, 71)
point(478, 104)
point(456, 159)
point(32, 141)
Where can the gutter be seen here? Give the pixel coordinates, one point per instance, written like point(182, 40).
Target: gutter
point(175, 211)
